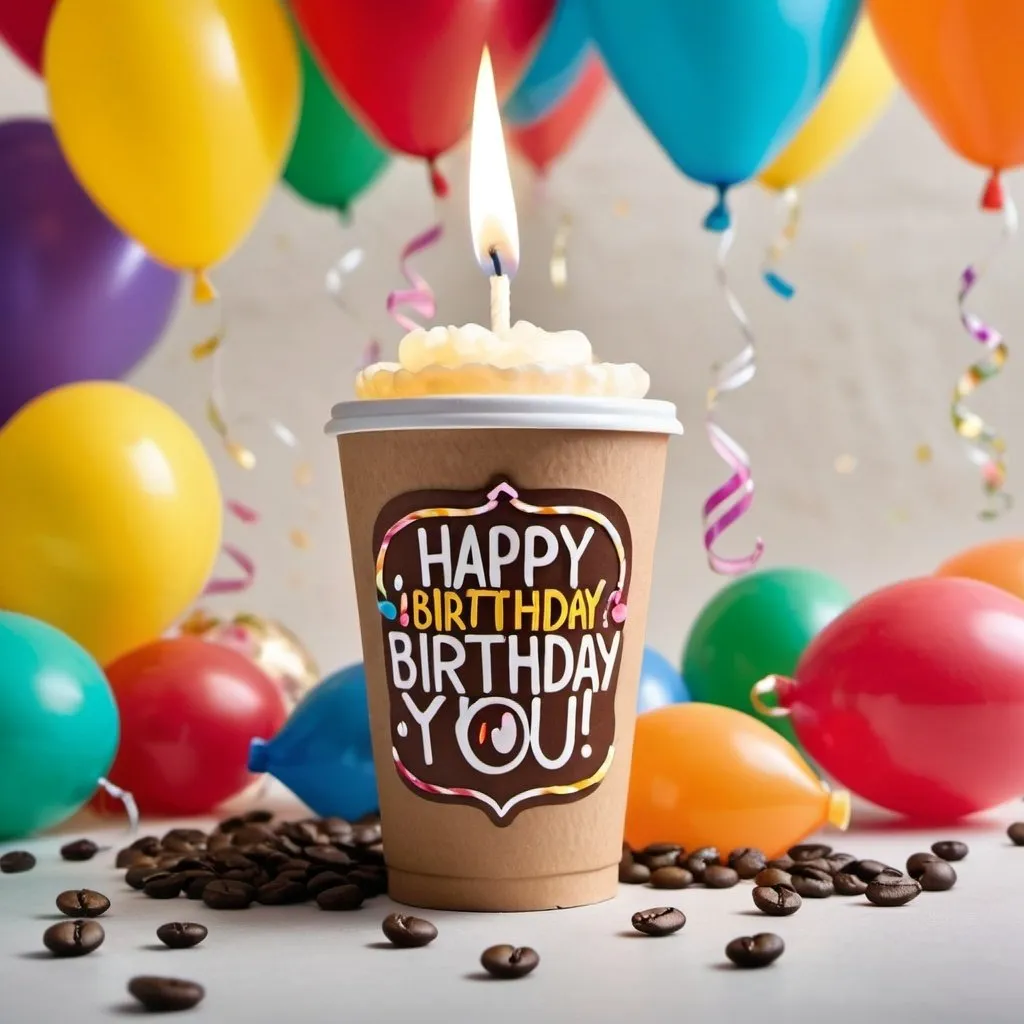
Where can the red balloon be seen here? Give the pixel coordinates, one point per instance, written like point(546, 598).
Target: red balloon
point(546, 140)
point(23, 25)
point(409, 69)
point(914, 698)
point(188, 712)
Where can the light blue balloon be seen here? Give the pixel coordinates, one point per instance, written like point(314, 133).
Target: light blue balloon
point(323, 752)
point(660, 683)
point(722, 84)
point(556, 67)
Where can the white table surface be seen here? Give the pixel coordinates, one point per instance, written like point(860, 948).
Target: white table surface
point(955, 956)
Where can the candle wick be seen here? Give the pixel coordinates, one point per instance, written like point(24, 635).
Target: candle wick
point(493, 253)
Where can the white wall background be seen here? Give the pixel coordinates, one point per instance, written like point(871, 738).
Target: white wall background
point(861, 363)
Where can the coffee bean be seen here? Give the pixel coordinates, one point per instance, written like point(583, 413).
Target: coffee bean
point(659, 855)
point(191, 836)
point(635, 873)
point(128, 856)
point(1015, 832)
point(818, 863)
point(408, 932)
point(671, 878)
point(772, 876)
point(696, 865)
point(950, 849)
point(177, 844)
point(17, 861)
point(938, 876)
point(783, 863)
point(917, 861)
point(755, 950)
point(373, 881)
point(846, 884)
point(839, 861)
point(137, 875)
point(658, 921)
point(197, 886)
point(165, 995)
point(258, 816)
point(281, 893)
point(226, 894)
point(164, 886)
point(866, 870)
point(292, 876)
point(80, 849)
point(367, 834)
point(777, 900)
point(324, 881)
point(373, 854)
point(293, 864)
point(250, 835)
point(718, 876)
point(82, 903)
point(73, 938)
point(181, 934)
point(509, 961)
point(218, 841)
point(811, 882)
point(746, 861)
point(809, 851)
point(892, 893)
point(328, 857)
point(149, 845)
point(341, 897)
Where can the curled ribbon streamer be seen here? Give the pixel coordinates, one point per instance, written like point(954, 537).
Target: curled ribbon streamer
point(246, 565)
point(730, 376)
point(336, 282)
point(131, 809)
point(419, 296)
point(790, 200)
point(985, 447)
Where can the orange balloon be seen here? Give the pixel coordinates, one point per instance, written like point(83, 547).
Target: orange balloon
point(999, 562)
point(961, 62)
point(705, 775)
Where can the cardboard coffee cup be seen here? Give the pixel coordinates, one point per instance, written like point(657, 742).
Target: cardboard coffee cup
point(502, 549)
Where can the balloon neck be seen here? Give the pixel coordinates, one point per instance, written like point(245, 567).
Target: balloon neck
point(718, 218)
point(259, 756)
point(203, 291)
point(839, 809)
point(992, 197)
point(438, 182)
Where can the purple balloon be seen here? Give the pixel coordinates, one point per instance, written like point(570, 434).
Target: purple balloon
point(78, 300)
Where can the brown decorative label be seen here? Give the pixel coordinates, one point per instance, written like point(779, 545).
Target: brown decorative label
point(502, 615)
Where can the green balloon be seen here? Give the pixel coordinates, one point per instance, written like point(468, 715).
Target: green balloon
point(332, 158)
point(757, 626)
point(59, 726)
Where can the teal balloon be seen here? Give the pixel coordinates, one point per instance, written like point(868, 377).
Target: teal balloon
point(756, 626)
point(332, 159)
point(59, 726)
point(556, 67)
point(660, 683)
point(722, 84)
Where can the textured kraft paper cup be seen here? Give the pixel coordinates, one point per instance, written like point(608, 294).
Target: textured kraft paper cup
point(502, 789)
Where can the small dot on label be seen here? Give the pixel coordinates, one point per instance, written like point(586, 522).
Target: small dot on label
point(403, 731)
point(586, 750)
point(399, 582)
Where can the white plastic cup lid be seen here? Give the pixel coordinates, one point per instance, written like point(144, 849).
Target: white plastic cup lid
point(518, 412)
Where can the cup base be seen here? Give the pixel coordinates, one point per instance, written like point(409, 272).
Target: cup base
point(551, 892)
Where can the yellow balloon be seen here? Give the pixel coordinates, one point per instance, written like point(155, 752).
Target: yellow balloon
point(175, 115)
point(861, 88)
point(111, 515)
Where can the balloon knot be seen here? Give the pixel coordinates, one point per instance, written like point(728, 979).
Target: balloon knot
point(779, 285)
point(992, 197)
point(438, 182)
point(202, 289)
point(718, 218)
point(259, 756)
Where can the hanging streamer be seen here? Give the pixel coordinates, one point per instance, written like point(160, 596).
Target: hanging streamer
point(790, 200)
point(718, 513)
point(985, 447)
point(127, 801)
point(245, 564)
point(419, 296)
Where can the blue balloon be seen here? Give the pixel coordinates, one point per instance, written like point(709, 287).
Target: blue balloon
point(556, 67)
point(722, 84)
point(660, 683)
point(323, 753)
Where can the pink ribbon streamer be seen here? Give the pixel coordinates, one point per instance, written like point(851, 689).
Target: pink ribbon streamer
point(245, 564)
point(419, 296)
point(718, 515)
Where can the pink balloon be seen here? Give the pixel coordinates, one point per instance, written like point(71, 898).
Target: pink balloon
point(914, 698)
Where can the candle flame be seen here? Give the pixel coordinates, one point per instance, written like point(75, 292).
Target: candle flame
point(492, 207)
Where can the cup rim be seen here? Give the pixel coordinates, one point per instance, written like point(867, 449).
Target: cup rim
point(509, 412)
